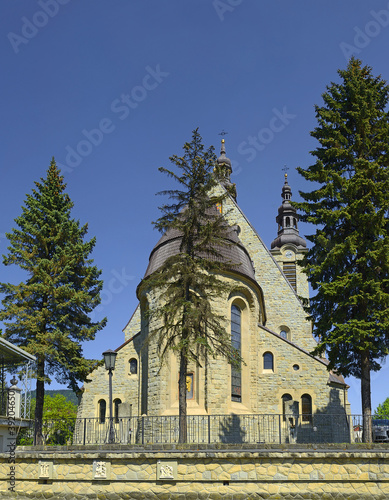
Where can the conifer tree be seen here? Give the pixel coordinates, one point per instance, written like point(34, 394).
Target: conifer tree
point(382, 410)
point(189, 280)
point(348, 263)
point(47, 314)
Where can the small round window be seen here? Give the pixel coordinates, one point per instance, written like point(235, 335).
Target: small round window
point(296, 367)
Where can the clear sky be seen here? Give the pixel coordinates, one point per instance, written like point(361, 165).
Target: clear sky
point(111, 89)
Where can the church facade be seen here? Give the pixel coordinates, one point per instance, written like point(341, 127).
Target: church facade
point(264, 312)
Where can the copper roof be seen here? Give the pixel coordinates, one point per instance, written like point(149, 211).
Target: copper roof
point(232, 252)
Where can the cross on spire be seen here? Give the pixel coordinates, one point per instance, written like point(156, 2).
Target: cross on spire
point(223, 133)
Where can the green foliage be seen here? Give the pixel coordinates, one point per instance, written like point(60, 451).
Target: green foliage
point(58, 421)
point(348, 263)
point(382, 410)
point(189, 280)
point(56, 407)
point(69, 395)
point(48, 313)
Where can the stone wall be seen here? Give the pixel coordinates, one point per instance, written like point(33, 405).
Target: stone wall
point(283, 306)
point(276, 473)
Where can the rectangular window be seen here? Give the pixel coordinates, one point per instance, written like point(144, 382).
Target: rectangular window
point(289, 269)
point(189, 386)
point(189, 381)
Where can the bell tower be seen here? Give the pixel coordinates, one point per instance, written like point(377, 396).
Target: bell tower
point(289, 247)
point(223, 171)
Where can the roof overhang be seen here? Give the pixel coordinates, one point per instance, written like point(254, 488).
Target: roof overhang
point(11, 354)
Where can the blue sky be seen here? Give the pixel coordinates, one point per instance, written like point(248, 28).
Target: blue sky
point(112, 89)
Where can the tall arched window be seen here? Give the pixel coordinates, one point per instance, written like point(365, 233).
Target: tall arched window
point(116, 404)
point(236, 340)
point(102, 405)
point(285, 398)
point(268, 362)
point(306, 407)
point(133, 366)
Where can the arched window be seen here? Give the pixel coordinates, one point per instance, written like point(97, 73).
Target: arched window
point(133, 366)
point(102, 405)
point(287, 221)
point(306, 407)
point(285, 398)
point(116, 403)
point(268, 362)
point(236, 339)
point(285, 331)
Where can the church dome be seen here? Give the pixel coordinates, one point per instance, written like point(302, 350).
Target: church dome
point(233, 252)
point(223, 161)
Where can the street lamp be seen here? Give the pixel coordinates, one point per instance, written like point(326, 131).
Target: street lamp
point(109, 360)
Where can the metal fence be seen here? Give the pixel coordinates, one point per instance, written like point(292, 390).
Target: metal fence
point(202, 429)
point(3, 401)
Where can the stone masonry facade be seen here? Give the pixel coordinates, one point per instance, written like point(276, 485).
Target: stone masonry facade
point(339, 473)
point(278, 372)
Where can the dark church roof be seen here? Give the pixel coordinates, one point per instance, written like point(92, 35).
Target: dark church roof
point(233, 252)
point(287, 220)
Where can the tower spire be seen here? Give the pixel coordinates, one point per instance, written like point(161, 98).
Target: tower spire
point(224, 169)
point(287, 220)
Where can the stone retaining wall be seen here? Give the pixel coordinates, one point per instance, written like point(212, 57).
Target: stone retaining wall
point(79, 473)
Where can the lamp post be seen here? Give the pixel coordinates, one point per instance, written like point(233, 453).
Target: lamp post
point(109, 360)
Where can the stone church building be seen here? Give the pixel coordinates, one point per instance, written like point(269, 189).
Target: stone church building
point(268, 324)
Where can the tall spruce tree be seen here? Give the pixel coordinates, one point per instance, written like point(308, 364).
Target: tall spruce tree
point(47, 314)
point(348, 263)
point(189, 281)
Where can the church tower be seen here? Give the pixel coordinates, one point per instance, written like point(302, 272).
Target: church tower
point(289, 247)
point(224, 170)
point(268, 324)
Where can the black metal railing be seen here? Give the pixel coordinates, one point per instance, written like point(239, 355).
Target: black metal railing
point(203, 429)
point(3, 401)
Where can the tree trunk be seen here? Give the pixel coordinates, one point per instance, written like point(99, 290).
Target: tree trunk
point(366, 397)
point(40, 397)
point(182, 398)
